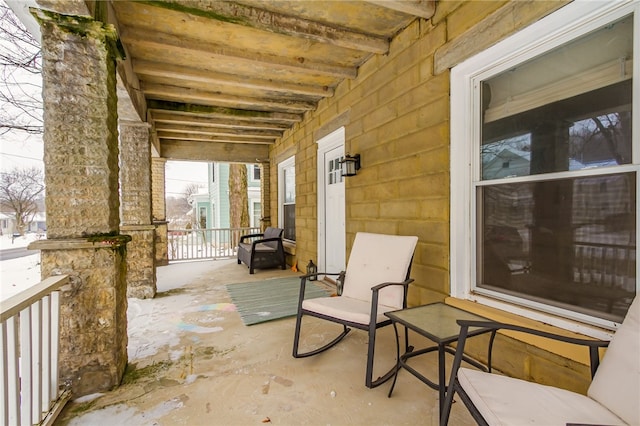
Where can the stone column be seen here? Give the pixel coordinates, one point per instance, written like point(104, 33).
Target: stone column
point(135, 216)
point(81, 177)
point(159, 210)
point(265, 194)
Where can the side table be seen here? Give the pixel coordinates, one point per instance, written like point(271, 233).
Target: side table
point(436, 322)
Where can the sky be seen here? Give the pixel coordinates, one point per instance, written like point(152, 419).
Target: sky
point(24, 151)
point(21, 150)
point(179, 174)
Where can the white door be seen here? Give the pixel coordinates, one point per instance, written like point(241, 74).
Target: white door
point(331, 203)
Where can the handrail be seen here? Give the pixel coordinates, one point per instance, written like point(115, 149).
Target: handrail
point(14, 304)
point(29, 354)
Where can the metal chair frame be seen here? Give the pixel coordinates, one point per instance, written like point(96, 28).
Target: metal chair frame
point(371, 327)
point(454, 385)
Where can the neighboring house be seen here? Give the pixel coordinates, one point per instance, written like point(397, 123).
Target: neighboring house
point(211, 208)
point(8, 223)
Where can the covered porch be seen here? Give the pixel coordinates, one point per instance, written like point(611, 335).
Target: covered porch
point(130, 85)
point(193, 361)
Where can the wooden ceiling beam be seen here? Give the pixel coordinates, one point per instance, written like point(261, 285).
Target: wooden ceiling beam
point(422, 8)
point(212, 111)
point(207, 130)
point(212, 138)
point(156, 69)
point(214, 151)
point(278, 23)
point(215, 52)
point(188, 119)
point(175, 93)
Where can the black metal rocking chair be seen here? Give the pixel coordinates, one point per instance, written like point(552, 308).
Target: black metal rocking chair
point(376, 281)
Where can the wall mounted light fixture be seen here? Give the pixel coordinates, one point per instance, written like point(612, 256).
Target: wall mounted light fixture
point(350, 165)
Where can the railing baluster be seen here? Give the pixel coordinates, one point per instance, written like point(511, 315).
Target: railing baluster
point(55, 343)
point(13, 371)
point(4, 379)
point(36, 361)
point(46, 353)
point(26, 368)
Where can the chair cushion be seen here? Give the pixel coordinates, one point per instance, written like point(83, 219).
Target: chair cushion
point(264, 248)
point(346, 308)
point(375, 259)
point(616, 384)
point(507, 401)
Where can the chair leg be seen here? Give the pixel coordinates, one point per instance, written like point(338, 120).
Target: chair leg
point(296, 340)
point(369, 382)
point(296, 336)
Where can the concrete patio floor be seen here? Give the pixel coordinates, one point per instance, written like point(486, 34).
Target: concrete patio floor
point(193, 362)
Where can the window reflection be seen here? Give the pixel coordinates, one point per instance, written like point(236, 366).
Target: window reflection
point(568, 242)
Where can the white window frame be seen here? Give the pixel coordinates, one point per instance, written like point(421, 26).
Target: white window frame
point(289, 162)
point(252, 173)
point(559, 28)
point(255, 221)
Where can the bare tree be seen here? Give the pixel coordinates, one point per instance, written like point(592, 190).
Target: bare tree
point(191, 189)
point(20, 76)
point(178, 211)
point(20, 191)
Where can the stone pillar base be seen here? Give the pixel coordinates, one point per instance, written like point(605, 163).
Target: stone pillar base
point(141, 271)
point(93, 309)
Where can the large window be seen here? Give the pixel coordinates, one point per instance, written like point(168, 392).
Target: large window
point(287, 198)
point(552, 187)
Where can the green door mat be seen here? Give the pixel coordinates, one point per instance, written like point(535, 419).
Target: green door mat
point(261, 301)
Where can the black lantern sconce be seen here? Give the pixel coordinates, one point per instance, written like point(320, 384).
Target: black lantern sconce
point(350, 165)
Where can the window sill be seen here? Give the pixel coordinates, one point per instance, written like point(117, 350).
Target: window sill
point(289, 247)
point(566, 350)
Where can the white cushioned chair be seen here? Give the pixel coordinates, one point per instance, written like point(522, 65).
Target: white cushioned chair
point(375, 282)
point(613, 397)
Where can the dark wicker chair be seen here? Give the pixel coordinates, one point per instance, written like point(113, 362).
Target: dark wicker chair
point(262, 251)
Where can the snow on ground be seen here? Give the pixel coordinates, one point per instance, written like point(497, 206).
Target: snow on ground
point(8, 242)
point(160, 314)
point(18, 274)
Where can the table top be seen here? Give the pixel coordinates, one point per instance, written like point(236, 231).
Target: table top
point(436, 321)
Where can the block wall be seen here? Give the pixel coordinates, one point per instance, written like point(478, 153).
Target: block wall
point(397, 115)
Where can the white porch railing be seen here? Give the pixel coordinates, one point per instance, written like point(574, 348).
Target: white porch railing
point(29, 344)
point(213, 243)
